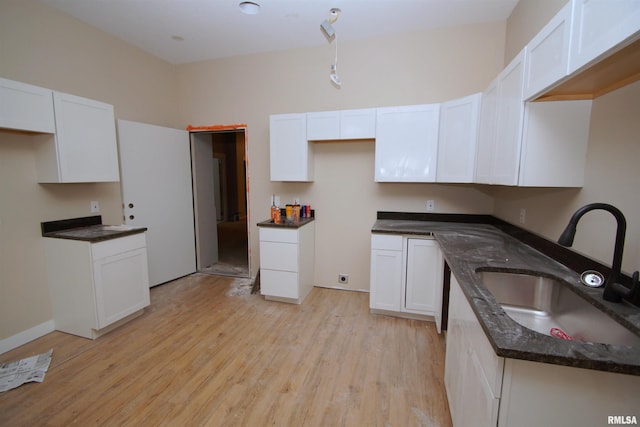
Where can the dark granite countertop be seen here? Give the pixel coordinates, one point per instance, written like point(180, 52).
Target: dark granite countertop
point(286, 224)
point(470, 247)
point(87, 229)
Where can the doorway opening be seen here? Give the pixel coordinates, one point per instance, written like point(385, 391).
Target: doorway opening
point(220, 194)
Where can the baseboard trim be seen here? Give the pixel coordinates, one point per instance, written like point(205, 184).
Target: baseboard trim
point(25, 336)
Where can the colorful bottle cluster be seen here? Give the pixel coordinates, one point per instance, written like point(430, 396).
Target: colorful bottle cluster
point(293, 212)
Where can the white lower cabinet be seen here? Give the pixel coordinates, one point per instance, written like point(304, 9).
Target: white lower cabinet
point(406, 276)
point(486, 390)
point(473, 390)
point(96, 286)
point(287, 262)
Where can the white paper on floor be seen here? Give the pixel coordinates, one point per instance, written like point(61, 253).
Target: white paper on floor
point(14, 374)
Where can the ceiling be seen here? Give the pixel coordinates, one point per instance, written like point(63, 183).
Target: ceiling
point(182, 31)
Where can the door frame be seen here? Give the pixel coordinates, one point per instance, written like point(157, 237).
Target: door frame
point(230, 128)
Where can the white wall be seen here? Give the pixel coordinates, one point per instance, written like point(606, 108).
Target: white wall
point(412, 68)
point(43, 47)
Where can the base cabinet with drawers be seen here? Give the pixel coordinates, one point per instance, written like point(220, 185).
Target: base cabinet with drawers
point(406, 276)
point(287, 262)
point(95, 287)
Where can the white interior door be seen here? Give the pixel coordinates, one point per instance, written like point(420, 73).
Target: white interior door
point(155, 165)
point(204, 180)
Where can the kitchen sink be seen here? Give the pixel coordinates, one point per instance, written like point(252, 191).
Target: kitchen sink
point(549, 307)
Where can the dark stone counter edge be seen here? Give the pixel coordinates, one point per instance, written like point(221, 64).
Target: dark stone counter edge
point(560, 352)
point(561, 254)
point(86, 229)
point(285, 224)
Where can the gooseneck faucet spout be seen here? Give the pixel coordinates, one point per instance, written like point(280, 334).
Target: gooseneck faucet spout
point(613, 291)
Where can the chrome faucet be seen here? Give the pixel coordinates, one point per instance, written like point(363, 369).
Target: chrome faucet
point(613, 291)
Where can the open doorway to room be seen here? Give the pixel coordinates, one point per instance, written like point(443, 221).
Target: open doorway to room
point(221, 201)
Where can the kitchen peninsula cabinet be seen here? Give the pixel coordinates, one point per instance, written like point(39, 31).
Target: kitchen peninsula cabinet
point(484, 389)
point(406, 276)
point(84, 148)
point(26, 107)
point(291, 154)
point(458, 139)
point(287, 261)
point(341, 125)
point(95, 287)
point(407, 143)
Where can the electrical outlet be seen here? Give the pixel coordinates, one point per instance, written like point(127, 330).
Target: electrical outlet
point(343, 278)
point(523, 214)
point(95, 206)
point(431, 205)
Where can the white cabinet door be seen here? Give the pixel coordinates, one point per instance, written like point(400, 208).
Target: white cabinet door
point(291, 155)
point(472, 399)
point(386, 272)
point(599, 26)
point(26, 107)
point(423, 289)
point(407, 143)
point(487, 134)
point(358, 124)
point(85, 148)
point(324, 125)
point(548, 54)
point(340, 125)
point(386, 280)
point(510, 118)
point(122, 285)
point(458, 139)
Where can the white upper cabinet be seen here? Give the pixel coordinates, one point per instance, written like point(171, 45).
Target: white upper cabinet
point(291, 155)
point(84, 148)
point(25, 107)
point(509, 128)
point(458, 137)
point(599, 26)
point(554, 144)
point(487, 134)
point(548, 54)
point(323, 125)
point(344, 124)
point(358, 124)
point(407, 143)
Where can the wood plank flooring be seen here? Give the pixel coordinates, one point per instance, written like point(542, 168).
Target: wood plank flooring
point(207, 353)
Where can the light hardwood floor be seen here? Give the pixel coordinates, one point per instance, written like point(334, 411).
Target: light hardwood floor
point(208, 353)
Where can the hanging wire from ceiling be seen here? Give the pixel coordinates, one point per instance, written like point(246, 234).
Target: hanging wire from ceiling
point(331, 35)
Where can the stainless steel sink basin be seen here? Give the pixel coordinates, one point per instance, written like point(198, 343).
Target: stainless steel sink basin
point(549, 307)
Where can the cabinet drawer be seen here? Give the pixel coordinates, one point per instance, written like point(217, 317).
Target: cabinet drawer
point(282, 284)
point(268, 234)
point(115, 246)
point(389, 242)
point(279, 256)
